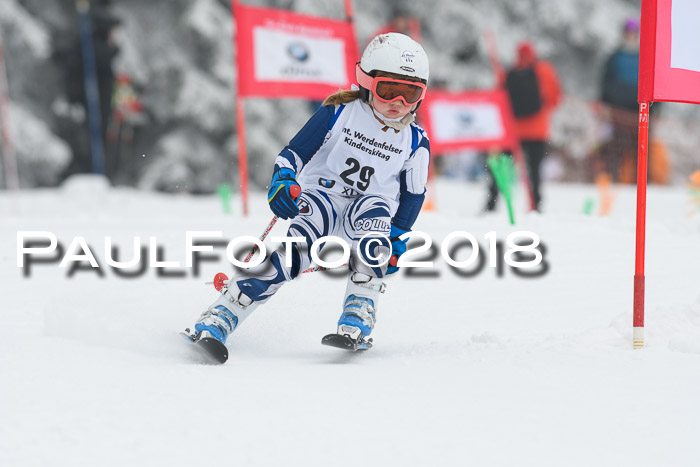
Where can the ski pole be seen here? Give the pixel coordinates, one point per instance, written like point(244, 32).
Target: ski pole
point(221, 279)
point(262, 238)
point(294, 191)
point(393, 261)
point(322, 268)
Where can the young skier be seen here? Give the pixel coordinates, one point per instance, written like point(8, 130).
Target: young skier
point(360, 164)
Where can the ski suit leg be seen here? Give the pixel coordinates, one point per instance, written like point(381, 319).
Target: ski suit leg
point(367, 223)
point(318, 217)
point(240, 297)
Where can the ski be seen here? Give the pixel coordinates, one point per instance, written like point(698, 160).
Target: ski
point(210, 347)
point(342, 341)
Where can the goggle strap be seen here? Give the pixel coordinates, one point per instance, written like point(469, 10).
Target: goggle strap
point(363, 79)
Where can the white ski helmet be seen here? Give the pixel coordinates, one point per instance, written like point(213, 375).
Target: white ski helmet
point(395, 53)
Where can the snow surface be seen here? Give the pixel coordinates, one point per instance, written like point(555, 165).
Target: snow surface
point(481, 371)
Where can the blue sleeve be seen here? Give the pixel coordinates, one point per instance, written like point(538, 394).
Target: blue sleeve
point(409, 207)
point(412, 187)
point(309, 139)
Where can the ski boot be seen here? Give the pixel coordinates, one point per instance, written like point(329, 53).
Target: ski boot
point(359, 313)
point(219, 320)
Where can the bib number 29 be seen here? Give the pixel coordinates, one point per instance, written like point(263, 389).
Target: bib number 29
point(365, 173)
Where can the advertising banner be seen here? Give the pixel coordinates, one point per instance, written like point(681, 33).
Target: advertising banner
point(480, 120)
point(285, 54)
point(669, 63)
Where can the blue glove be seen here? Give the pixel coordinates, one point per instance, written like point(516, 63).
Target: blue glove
point(283, 192)
point(398, 247)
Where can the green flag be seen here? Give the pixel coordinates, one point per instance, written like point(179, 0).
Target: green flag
point(224, 191)
point(504, 173)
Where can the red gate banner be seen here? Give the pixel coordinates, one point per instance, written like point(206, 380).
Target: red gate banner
point(286, 54)
point(669, 63)
point(480, 120)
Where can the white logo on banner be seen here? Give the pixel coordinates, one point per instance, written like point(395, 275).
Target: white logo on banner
point(285, 56)
point(465, 121)
point(685, 34)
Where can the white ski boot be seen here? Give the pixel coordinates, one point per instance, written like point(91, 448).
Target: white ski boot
point(359, 313)
point(225, 314)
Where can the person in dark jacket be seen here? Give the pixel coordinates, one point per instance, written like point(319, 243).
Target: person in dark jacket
point(535, 91)
point(619, 96)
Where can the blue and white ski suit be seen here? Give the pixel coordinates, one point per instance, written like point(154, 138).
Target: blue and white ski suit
point(358, 177)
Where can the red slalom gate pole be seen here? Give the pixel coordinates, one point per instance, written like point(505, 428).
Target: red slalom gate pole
point(240, 125)
point(348, 10)
point(642, 152)
point(493, 58)
point(242, 153)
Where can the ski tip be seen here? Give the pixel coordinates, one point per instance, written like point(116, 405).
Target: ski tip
point(336, 340)
point(214, 350)
point(344, 342)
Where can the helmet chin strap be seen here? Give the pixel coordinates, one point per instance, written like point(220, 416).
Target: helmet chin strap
point(396, 125)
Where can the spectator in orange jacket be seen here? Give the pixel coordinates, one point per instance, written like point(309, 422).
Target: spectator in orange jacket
point(535, 92)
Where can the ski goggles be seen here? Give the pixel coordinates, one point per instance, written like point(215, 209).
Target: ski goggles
point(391, 89)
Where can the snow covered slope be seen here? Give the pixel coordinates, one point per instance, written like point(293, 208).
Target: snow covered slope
point(481, 371)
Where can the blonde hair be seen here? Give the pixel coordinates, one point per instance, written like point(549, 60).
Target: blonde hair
point(342, 96)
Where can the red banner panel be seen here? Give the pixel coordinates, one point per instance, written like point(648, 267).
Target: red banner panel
point(480, 120)
point(669, 62)
point(285, 54)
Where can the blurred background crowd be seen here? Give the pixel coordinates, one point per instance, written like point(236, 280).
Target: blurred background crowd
point(166, 83)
